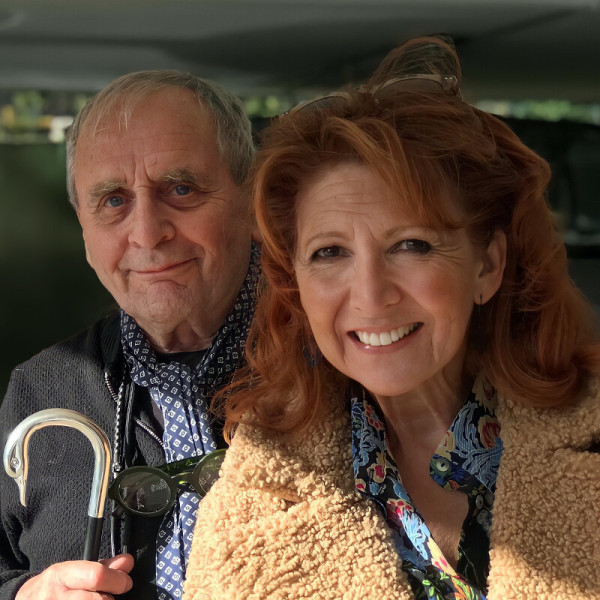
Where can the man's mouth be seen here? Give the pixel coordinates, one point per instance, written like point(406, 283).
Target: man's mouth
point(157, 270)
point(385, 338)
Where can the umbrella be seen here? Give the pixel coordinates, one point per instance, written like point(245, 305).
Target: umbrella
point(16, 463)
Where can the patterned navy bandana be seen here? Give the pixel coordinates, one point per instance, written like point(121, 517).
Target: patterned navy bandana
point(183, 395)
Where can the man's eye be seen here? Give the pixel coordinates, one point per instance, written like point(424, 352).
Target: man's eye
point(416, 246)
point(182, 190)
point(115, 201)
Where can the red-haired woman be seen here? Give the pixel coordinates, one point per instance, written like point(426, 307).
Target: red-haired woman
point(421, 413)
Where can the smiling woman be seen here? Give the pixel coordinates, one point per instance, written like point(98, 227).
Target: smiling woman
point(367, 270)
point(422, 391)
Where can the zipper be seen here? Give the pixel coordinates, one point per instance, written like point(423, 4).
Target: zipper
point(148, 430)
point(110, 387)
point(118, 399)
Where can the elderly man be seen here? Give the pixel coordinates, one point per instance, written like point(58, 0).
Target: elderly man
point(156, 163)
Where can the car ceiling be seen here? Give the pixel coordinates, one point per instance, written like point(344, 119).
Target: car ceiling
point(513, 49)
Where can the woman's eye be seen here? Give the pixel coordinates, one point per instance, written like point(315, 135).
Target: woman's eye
point(182, 190)
point(328, 252)
point(416, 246)
point(115, 201)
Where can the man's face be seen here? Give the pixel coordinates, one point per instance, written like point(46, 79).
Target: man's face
point(163, 223)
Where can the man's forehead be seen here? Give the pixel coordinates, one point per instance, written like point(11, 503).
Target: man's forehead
point(118, 111)
point(163, 134)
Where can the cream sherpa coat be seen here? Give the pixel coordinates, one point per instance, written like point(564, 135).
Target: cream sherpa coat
point(283, 521)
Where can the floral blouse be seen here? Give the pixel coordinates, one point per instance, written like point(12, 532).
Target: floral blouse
point(467, 459)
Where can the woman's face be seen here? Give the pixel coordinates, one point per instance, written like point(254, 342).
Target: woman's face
point(388, 299)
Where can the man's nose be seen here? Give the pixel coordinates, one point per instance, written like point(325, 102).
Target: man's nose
point(375, 286)
point(150, 224)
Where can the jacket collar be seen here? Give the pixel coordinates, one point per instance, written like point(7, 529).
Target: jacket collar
point(110, 345)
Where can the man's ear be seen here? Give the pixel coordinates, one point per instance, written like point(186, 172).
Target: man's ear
point(492, 268)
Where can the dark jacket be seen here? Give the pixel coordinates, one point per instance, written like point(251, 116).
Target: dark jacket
point(84, 374)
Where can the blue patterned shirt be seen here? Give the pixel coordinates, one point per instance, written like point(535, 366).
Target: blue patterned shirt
point(467, 459)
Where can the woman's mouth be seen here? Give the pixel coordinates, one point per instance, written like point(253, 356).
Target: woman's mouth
point(385, 338)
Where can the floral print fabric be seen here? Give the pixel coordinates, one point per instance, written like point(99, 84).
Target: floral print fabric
point(467, 459)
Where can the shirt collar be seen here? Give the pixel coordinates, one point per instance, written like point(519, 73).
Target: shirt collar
point(467, 457)
point(469, 454)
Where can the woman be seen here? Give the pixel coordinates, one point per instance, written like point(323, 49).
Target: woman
point(421, 415)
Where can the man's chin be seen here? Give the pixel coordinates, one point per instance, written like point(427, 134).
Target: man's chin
point(161, 312)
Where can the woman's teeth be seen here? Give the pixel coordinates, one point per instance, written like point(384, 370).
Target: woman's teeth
point(387, 337)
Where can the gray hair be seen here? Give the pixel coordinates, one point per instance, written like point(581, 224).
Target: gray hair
point(233, 128)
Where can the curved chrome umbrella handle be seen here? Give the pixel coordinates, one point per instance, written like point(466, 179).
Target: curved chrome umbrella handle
point(16, 463)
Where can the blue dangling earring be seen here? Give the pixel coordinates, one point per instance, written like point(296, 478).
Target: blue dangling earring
point(312, 355)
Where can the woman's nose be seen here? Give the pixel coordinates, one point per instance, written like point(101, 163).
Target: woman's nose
point(375, 286)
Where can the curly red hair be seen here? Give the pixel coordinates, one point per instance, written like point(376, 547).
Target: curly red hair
point(424, 141)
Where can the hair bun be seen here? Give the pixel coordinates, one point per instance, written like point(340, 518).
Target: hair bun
point(431, 55)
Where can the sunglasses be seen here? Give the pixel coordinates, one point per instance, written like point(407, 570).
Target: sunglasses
point(424, 83)
point(152, 491)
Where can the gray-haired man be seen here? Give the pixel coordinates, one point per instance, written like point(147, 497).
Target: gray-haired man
point(155, 166)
